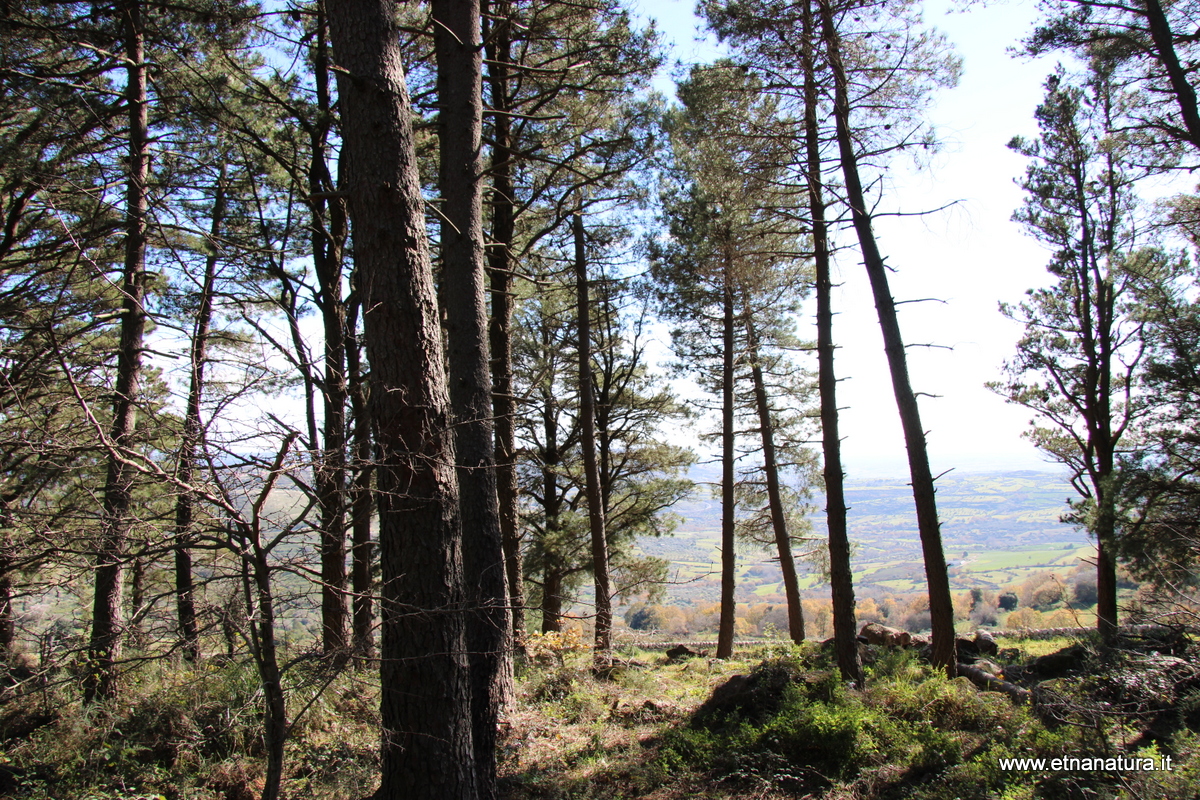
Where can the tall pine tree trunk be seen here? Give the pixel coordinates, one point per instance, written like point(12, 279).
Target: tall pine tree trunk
point(193, 431)
point(587, 443)
point(104, 647)
point(460, 124)
point(841, 576)
point(500, 273)
point(426, 751)
point(328, 236)
point(941, 608)
point(728, 621)
point(783, 541)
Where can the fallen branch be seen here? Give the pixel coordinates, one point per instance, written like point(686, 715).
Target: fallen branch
point(989, 682)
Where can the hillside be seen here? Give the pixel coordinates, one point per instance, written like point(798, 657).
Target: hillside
point(997, 527)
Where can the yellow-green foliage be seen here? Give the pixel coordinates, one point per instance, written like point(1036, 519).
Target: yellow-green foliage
point(195, 733)
point(911, 733)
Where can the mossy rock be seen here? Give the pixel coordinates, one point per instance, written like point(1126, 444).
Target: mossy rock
point(759, 696)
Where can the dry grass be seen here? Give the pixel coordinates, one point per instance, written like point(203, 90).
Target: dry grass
point(574, 735)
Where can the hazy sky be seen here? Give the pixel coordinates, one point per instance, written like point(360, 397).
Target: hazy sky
point(970, 255)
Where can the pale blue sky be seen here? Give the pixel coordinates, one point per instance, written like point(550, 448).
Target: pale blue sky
point(971, 255)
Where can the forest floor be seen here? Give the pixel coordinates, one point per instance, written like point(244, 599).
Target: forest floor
point(781, 724)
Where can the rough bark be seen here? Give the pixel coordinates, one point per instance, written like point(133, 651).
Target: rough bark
point(458, 47)
point(500, 274)
point(552, 598)
point(728, 621)
point(841, 577)
point(941, 607)
point(104, 648)
point(783, 541)
point(327, 237)
point(591, 471)
point(426, 750)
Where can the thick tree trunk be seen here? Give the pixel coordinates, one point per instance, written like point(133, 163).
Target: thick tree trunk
point(104, 648)
point(458, 47)
point(552, 598)
point(941, 607)
point(591, 472)
point(1105, 530)
point(427, 751)
point(328, 236)
point(728, 621)
point(783, 541)
point(500, 272)
point(841, 576)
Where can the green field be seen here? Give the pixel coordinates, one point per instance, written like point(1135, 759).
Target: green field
point(997, 530)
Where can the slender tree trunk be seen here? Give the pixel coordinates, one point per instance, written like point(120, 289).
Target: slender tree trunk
point(783, 541)
point(552, 507)
point(587, 414)
point(941, 607)
point(728, 622)
point(275, 726)
point(362, 550)
point(500, 272)
point(457, 41)
point(841, 576)
point(427, 751)
point(104, 648)
point(328, 236)
point(256, 568)
point(8, 623)
point(193, 431)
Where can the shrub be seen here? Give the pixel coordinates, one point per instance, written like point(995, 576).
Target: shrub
point(1024, 618)
point(1086, 593)
point(1046, 596)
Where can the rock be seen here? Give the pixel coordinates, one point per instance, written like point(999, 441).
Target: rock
point(986, 644)
point(966, 649)
point(921, 640)
point(1055, 665)
point(680, 652)
point(875, 633)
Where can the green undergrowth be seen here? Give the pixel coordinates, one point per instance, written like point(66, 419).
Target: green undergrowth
point(770, 724)
point(788, 727)
point(180, 732)
point(912, 733)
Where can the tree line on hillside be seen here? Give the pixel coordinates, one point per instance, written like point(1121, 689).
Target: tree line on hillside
point(345, 310)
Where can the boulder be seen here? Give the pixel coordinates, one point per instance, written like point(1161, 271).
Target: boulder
point(878, 634)
point(1055, 665)
point(680, 652)
point(985, 644)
